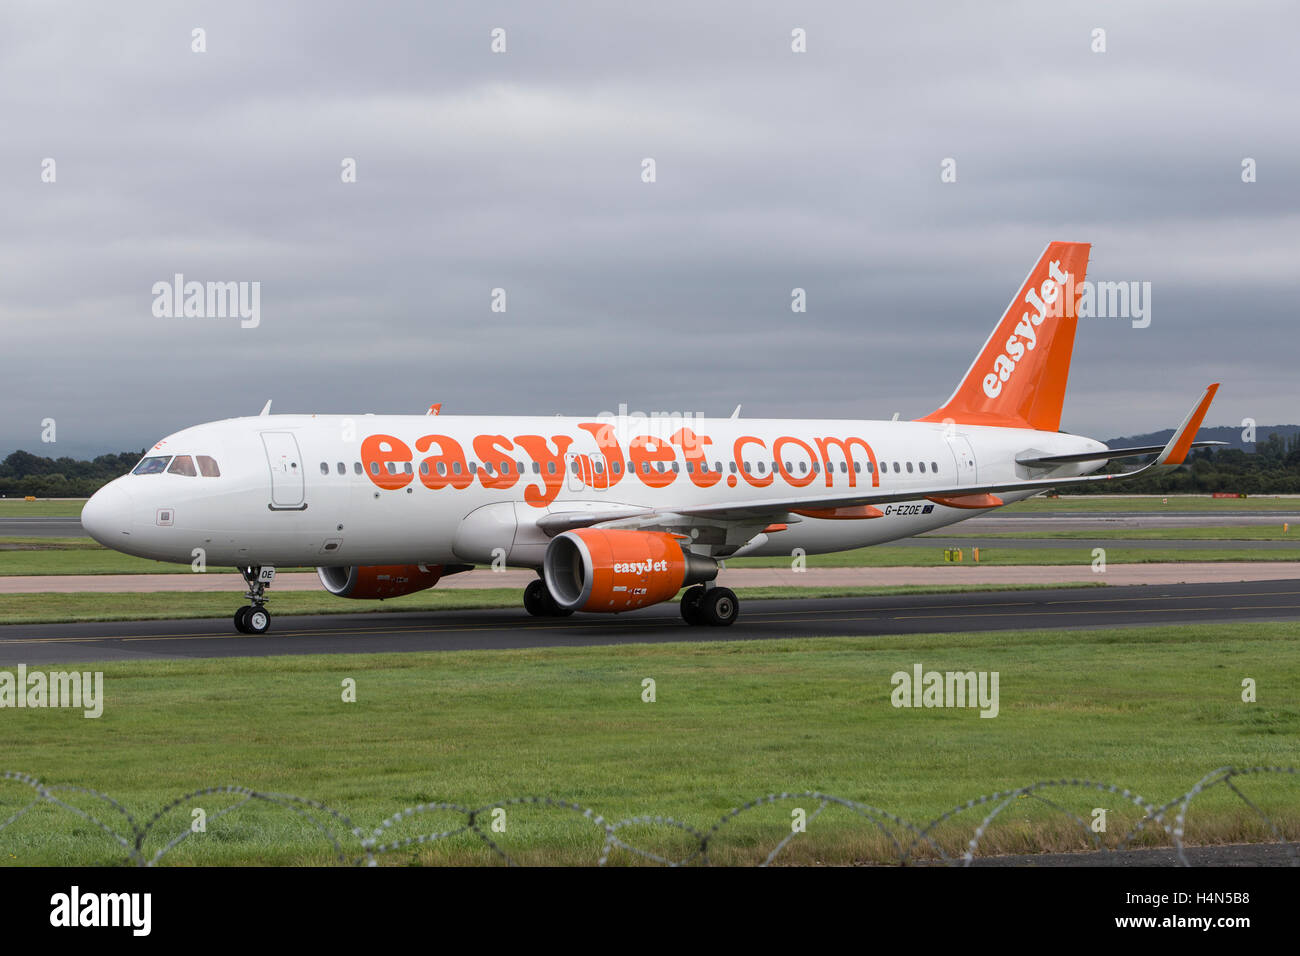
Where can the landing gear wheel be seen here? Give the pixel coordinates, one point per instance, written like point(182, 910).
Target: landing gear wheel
point(535, 598)
point(240, 626)
point(257, 620)
point(719, 607)
point(538, 601)
point(692, 601)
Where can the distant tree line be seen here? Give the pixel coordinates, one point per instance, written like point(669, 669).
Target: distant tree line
point(1272, 469)
point(23, 473)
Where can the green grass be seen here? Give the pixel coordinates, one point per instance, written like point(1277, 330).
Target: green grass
point(1176, 503)
point(16, 562)
point(42, 507)
point(158, 605)
point(1152, 709)
point(1229, 533)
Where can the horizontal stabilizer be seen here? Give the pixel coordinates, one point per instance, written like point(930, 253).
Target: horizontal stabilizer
point(1137, 451)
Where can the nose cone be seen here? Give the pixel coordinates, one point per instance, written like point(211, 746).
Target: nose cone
point(107, 515)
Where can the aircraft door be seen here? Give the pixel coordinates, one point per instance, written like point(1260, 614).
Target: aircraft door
point(964, 457)
point(287, 491)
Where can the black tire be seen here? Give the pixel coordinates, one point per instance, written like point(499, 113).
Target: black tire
point(544, 602)
point(536, 599)
point(240, 626)
point(257, 620)
point(720, 607)
point(691, 602)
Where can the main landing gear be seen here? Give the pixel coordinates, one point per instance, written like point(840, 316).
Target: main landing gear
point(255, 618)
point(539, 603)
point(715, 607)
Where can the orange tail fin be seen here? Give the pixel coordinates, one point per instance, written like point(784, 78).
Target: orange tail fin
point(1018, 379)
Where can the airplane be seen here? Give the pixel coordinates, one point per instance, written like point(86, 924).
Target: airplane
point(615, 513)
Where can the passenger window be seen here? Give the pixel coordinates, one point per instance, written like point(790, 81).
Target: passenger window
point(857, 467)
point(788, 468)
point(537, 469)
point(645, 467)
point(803, 466)
point(341, 468)
point(550, 467)
point(895, 467)
point(424, 467)
point(934, 466)
point(676, 469)
point(600, 467)
point(374, 467)
point(455, 467)
point(505, 468)
point(817, 468)
point(407, 468)
point(324, 468)
point(844, 467)
point(617, 467)
point(183, 465)
point(909, 467)
point(392, 467)
point(762, 467)
point(442, 468)
point(921, 465)
point(473, 468)
point(690, 468)
point(746, 467)
point(574, 466)
point(207, 466)
point(356, 467)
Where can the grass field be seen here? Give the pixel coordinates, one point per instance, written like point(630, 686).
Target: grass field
point(1150, 709)
point(1085, 503)
point(156, 606)
point(97, 560)
point(1272, 532)
point(41, 508)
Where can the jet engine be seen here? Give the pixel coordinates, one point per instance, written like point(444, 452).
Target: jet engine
point(594, 569)
point(379, 581)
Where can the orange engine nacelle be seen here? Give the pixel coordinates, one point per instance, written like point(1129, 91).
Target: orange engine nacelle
point(379, 581)
point(592, 569)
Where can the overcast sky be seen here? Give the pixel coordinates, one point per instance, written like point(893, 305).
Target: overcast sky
point(523, 171)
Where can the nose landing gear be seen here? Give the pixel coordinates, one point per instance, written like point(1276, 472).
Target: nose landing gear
point(255, 618)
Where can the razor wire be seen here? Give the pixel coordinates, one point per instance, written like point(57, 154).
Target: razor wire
point(355, 844)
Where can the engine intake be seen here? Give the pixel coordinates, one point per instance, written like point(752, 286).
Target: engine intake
point(594, 569)
point(377, 582)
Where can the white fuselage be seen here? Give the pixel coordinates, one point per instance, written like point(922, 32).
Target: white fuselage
point(336, 490)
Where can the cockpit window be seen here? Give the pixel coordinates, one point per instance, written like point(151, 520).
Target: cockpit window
point(208, 466)
point(152, 466)
point(183, 465)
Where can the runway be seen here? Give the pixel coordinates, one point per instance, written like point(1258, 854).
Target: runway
point(759, 620)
